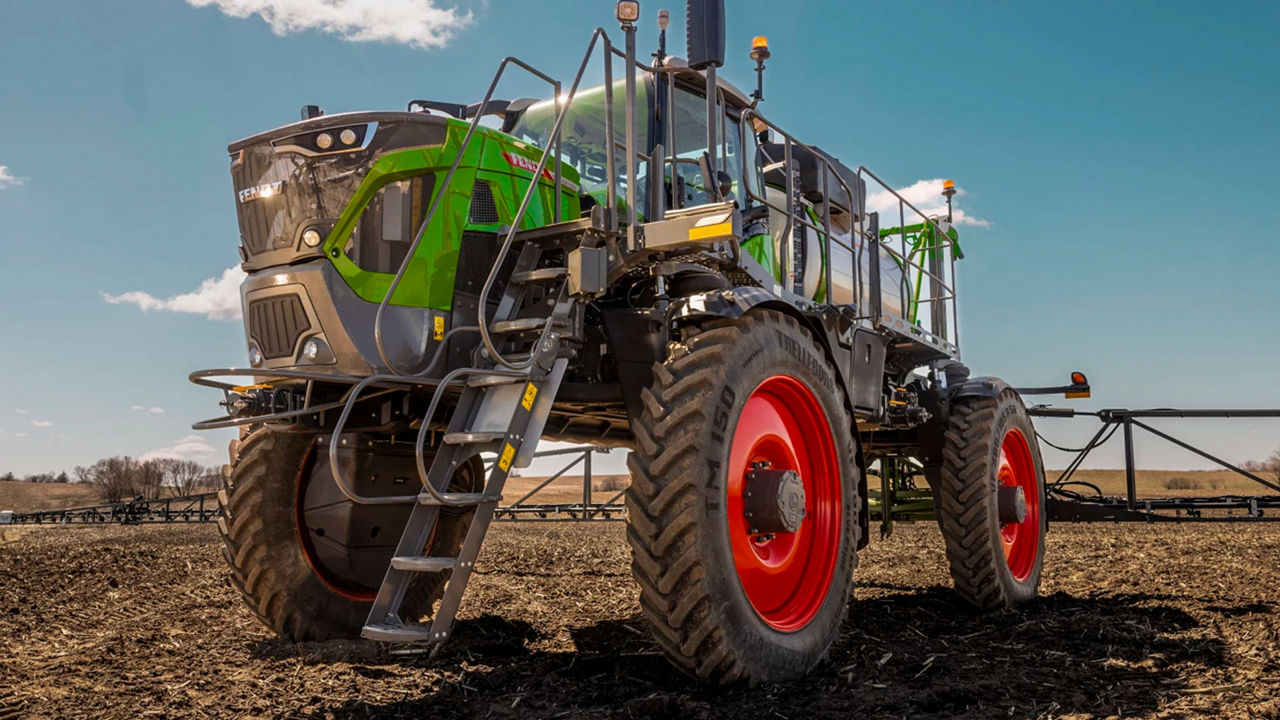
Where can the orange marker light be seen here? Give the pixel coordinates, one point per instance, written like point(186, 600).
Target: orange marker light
point(948, 184)
point(759, 51)
point(1078, 378)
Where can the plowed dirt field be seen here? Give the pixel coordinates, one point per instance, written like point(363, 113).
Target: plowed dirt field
point(1136, 621)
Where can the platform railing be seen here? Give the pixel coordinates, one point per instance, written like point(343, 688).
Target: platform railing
point(943, 317)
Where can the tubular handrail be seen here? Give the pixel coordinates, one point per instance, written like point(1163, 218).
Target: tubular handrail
point(202, 377)
point(906, 258)
point(340, 479)
point(553, 140)
point(945, 288)
point(419, 446)
point(444, 187)
point(828, 237)
point(513, 369)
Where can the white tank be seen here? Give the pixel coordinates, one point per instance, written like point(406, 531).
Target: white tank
point(893, 289)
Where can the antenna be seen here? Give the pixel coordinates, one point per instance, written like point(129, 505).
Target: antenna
point(664, 19)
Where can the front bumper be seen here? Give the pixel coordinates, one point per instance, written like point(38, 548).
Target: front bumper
point(284, 307)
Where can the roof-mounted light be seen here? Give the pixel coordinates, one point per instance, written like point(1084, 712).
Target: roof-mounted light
point(628, 11)
point(760, 48)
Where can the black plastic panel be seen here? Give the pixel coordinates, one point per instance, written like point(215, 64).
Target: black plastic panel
point(276, 323)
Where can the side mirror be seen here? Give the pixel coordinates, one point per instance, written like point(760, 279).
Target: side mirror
point(704, 33)
point(725, 184)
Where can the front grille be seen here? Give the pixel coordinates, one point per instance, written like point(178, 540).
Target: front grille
point(276, 323)
point(484, 210)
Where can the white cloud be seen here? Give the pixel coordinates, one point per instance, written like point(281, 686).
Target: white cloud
point(41, 423)
point(218, 298)
point(153, 410)
point(191, 447)
point(418, 23)
point(20, 411)
point(20, 434)
point(925, 195)
point(8, 179)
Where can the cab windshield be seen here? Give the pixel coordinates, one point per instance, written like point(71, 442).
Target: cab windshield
point(583, 137)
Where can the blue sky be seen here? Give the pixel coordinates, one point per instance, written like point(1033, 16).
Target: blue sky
point(1122, 157)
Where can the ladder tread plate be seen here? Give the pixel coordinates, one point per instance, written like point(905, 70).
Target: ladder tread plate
point(467, 438)
point(528, 324)
point(545, 274)
point(419, 563)
point(396, 633)
point(459, 498)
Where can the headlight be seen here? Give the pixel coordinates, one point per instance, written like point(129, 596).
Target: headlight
point(311, 238)
point(255, 357)
point(316, 350)
point(348, 137)
point(324, 141)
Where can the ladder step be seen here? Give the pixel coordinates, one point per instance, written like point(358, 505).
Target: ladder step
point(467, 438)
point(396, 633)
point(491, 380)
point(415, 563)
point(427, 498)
point(546, 274)
point(520, 325)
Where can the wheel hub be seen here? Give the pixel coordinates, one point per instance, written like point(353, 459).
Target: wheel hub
point(1012, 502)
point(773, 501)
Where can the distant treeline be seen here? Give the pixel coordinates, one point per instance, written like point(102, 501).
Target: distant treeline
point(37, 478)
point(122, 478)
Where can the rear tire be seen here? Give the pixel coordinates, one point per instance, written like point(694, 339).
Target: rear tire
point(703, 569)
point(990, 442)
point(271, 566)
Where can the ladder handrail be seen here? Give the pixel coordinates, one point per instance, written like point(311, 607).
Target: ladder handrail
point(444, 187)
point(553, 140)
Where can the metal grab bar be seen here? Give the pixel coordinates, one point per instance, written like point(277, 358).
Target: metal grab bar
point(202, 377)
point(514, 369)
point(341, 481)
point(943, 288)
point(444, 187)
point(553, 140)
point(748, 116)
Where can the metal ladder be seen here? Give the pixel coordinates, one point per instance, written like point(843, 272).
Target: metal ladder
point(501, 410)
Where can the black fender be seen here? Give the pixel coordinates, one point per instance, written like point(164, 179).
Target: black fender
point(990, 387)
point(730, 303)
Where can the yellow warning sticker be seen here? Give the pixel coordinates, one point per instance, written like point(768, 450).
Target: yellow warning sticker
point(438, 333)
point(508, 453)
point(710, 231)
point(530, 392)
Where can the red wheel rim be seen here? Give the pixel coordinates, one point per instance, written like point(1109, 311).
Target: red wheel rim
point(1021, 541)
point(786, 576)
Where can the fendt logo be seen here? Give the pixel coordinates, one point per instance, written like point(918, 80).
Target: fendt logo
point(531, 166)
point(261, 192)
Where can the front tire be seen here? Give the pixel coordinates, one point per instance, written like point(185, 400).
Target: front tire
point(990, 443)
point(302, 594)
point(743, 405)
